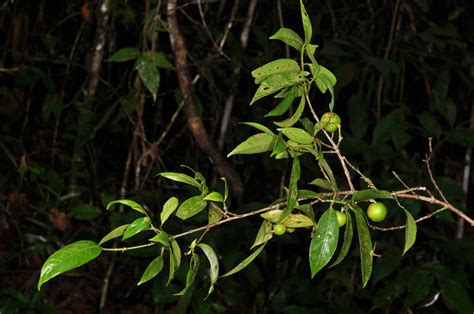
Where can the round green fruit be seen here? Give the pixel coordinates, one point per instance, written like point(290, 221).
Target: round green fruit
point(330, 121)
point(377, 212)
point(279, 229)
point(341, 218)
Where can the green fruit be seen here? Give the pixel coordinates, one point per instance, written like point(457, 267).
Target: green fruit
point(279, 229)
point(377, 212)
point(341, 218)
point(330, 121)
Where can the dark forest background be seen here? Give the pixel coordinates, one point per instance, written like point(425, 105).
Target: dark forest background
point(79, 129)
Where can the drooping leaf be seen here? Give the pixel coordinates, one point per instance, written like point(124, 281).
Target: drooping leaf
point(136, 227)
point(180, 177)
point(117, 232)
point(410, 231)
point(67, 258)
point(255, 144)
point(245, 262)
point(124, 54)
point(152, 270)
point(298, 135)
point(176, 252)
point(293, 188)
point(365, 245)
point(149, 73)
point(308, 28)
point(289, 37)
point(324, 83)
point(168, 209)
point(324, 165)
point(324, 243)
point(215, 213)
point(285, 104)
point(213, 262)
point(291, 121)
point(348, 234)
point(192, 272)
point(275, 67)
point(215, 197)
point(172, 266)
point(190, 207)
point(132, 204)
point(162, 237)
point(370, 194)
point(275, 82)
point(260, 127)
point(264, 234)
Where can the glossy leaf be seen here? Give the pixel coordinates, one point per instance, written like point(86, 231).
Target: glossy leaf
point(298, 221)
point(215, 197)
point(260, 127)
point(168, 209)
point(323, 183)
point(370, 194)
point(213, 262)
point(308, 28)
point(255, 144)
point(117, 232)
point(172, 267)
point(180, 177)
point(298, 135)
point(348, 234)
point(324, 243)
point(162, 237)
point(264, 234)
point(67, 258)
point(274, 83)
point(289, 37)
point(190, 207)
point(291, 121)
point(410, 231)
point(152, 270)
point(285, 104)
point(245, 262)
point(136, 227)
point(192, 272)
point(278, 66)
point(176, 251)
point(133, 205)
point(365, 245)
point(280, 145)
point(124, 54)
point(324, 83)
point(149, 73)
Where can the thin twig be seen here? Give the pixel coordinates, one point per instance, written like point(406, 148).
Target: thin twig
point(427, 163)
point(404, 226)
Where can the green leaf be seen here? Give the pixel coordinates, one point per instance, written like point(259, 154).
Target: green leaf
point(260, 127)
point(324, 83)
point(67, 258)
point(152, 270)
point(213, 262)
point(172, 268)
point(323, 183)
point(215, 213)
point(160, 60)
point(462, 136)
point(308, 29)
point(85, 212)
point(410, 231)
point(298, 135)
point(370, 194)
point(124, 54)
point(365, 245)
point(117, 232)
point(278, 66)
point(215, 197)
point(176, 252)
point(430, 124)
point(191, 275)
point(136, 227)
point(419, 286)
point(291, 121)
point(348, 234)
point(245, 262)
point(280, 145)
point(132, 204)
point(264, 233)
point(149, 73)
point(457, 295)
point(274, 83)
point(293, 188)
point(190, 207)
point(255, 144)
point(298, 221)
point(168, 209)
point(387, 125)
point(289, 37)
point(324, 243)
point(325, 167)
point(180, 177)
point(285, 104)
point(162, 237)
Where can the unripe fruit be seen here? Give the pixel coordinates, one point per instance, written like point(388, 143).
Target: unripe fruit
point(341, 218)
point(279, 229)
point(330, 121)
point(377, 212)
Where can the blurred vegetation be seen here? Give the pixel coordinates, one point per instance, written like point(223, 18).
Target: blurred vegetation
point(405, 73)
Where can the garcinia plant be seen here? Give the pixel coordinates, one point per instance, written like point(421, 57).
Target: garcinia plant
point(292, 82)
